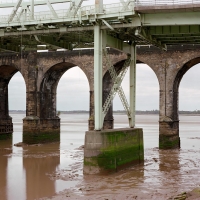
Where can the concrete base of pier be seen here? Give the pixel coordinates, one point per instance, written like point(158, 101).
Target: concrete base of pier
point(112, 149)
point(36, 130)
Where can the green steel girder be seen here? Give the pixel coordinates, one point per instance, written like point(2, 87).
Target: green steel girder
point(165, 37)
point(67, 40)
point(171, 42)
point(159, 29)
point(10, 47)
point(51, 41)
point(170, 30)
point(170, 19)
point(145, 36)
point(54, 41)
point(174, 34)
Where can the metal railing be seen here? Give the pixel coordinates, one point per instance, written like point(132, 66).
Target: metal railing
point(107, 9)
point(165, 2)
point(90, 10)
point(63, 14)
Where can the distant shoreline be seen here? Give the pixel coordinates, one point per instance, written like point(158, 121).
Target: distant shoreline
point(148, 112)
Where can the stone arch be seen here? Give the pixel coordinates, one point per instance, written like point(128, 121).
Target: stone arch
point(48, 89)
point(151, 66)
point(107, 84)
point(47, 60)
point(6, 73)
point(177, 81)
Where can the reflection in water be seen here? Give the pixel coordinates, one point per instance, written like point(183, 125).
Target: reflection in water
point(25, 172)
point(5, 148)
point(169, 160)
point(34, 172)
point(39, 162)
point(170, 168)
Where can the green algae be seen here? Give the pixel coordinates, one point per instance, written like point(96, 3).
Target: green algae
point(168, 142)
point(5, 136)
point(41, 137)
point(118, 148)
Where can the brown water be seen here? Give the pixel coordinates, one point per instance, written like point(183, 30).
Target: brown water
point(40, 172)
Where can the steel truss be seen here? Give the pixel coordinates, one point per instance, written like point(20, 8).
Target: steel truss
point(116, 88)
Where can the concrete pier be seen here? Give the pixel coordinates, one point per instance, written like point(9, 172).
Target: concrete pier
point(112, 149)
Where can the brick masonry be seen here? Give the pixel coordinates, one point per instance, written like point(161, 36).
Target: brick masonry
point(42, 72)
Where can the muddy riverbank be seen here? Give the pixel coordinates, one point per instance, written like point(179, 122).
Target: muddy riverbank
point(166, 174)
point(54, 171)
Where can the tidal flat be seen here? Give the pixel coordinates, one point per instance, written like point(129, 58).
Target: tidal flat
point(54, 171)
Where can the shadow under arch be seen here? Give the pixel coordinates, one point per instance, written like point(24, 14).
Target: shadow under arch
point(107, 85)
point(6, 126)
point(48, 89)
point(177, 81)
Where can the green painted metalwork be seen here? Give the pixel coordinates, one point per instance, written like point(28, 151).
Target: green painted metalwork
point(143, 22)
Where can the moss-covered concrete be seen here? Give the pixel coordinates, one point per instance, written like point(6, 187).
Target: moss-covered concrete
point(169, 142)
point(109, 150)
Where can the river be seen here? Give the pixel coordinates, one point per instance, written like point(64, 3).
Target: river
point(55, 170)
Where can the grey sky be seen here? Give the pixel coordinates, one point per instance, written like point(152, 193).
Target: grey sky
point(73, 90)
point(189, 91)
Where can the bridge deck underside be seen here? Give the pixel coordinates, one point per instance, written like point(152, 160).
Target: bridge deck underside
point(144, 22)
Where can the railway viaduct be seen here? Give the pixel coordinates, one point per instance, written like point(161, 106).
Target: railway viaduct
point(42, 72)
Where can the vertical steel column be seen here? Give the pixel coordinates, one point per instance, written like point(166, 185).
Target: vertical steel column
point(32, 9)
point(132, 85)
point(98, 77)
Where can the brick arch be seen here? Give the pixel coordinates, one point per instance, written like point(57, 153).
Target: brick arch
point(48, 88)
point(84, 61)
point(6, 73)
point(182, 71)
point(107, 84)
point(151, 66)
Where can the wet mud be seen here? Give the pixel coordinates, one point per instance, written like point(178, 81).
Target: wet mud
point(55, 171)
point(166, 174)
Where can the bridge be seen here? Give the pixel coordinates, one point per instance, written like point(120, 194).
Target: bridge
point(163, 34)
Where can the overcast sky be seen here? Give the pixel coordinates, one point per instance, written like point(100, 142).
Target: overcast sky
point(73, 90)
